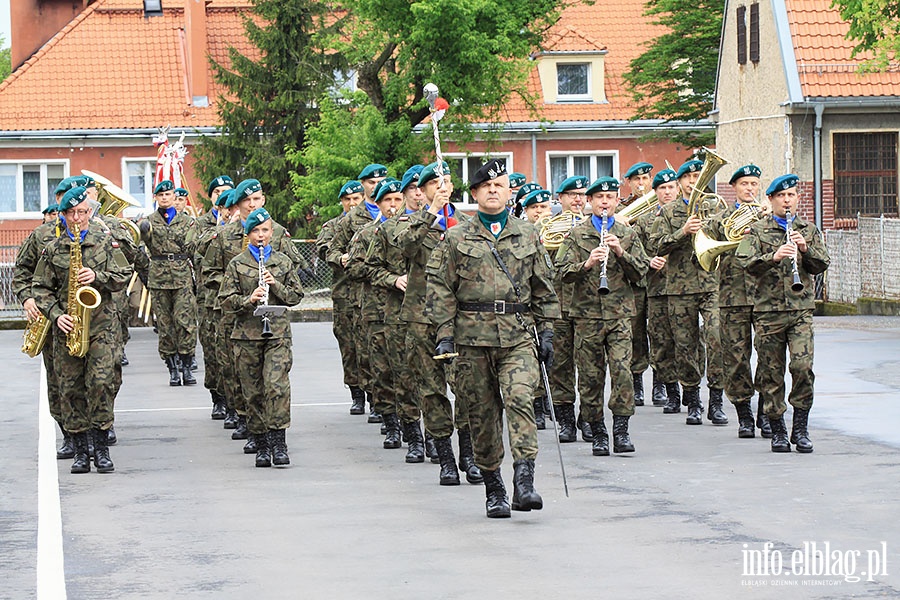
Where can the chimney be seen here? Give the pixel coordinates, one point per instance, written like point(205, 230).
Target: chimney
point(195, 43)
point(34, 22)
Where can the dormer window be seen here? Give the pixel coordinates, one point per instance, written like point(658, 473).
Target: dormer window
point(573, 82)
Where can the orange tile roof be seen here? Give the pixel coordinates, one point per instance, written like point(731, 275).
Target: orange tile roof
point(823, 55)
point(84, 78)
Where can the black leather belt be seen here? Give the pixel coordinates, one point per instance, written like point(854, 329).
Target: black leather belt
point(170, 257)
point(500, 307)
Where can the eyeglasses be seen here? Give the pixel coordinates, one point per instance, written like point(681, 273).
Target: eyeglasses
point(576, 194)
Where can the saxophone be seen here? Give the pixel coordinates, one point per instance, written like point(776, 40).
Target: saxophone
point(35, 336)
point(81, 301)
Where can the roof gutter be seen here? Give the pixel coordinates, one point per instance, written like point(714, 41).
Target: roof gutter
point(103, 134)
point(581, 126)
point(885, 102)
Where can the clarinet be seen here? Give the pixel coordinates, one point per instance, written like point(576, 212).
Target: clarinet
point(797, 285)
point(267, 330)
point(604, 284)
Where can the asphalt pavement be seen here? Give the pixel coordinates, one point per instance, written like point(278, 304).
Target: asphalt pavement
point(693, 513)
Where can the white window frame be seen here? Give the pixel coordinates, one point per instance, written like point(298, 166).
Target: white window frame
point(570, 155)
point(466, 203)
point(46, 192)
point(150, 174)
point(575, 97)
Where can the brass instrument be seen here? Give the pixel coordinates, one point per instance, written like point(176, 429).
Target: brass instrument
point(708, 250)
point(553, 228)
point(603, 290)
point(796, 285)
point(638, 208)
point(82, 300)
point(35, 336)
point(263, 309)
point(699, 200)
point(114, 200)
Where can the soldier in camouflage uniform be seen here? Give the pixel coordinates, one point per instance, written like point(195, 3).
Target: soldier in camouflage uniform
point(598, 247)
point(345, 309)
point(692, 293)
point(171, 238)
point(535, 203)
point(782, 315)
point(489, 291)
point(87, 384)
point(263, 362)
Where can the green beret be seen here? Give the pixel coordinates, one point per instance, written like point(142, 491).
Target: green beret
point(492, 169)
point(572, 183)
point(181, 192)
point(385, 187)
point(373, 170)
point(219, 182)
point(246, 188)
point(87, 181)
point(782, 183)
point(411, 176)
point(641, 168)
point(231, 198)
point(51, 208)
point(66, 184)
point(351, 187)
point(691, 166)
point(516, 179)
point(750, 170)
point(526, 189)
point(164, 186)
point(603, 184)
point(256, 218)
point(224, 197)
point(664, 176)
point(73, 197)
point(537, 196)
point(429, 172)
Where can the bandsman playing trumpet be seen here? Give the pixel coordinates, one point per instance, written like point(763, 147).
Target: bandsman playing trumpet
point(774, 250)
point(598, 247)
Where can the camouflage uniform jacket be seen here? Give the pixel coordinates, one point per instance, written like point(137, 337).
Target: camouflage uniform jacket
point(207, 221)
point(771, 287)
point(177, 238)
point(463, 269)
point(205, 296)
point(386, 264)
point(654, 281)
point(122, 234)
point(372, 299)
point(345, 291)
point(621, 272)
point(99, 252)
point(683, 273)
point(734, 281)
point(326, 234)
point(28, 256)
point(417, 242)
point(240, 281)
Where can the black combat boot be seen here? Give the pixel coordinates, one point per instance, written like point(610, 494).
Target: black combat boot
point(600, 445)
point(780, 441)
point(746, 429)
point(263, 456)
point(449, 473)
point(467, 457)
point(638, 388)
point(659, 392)
point(252, 443)
point(82, 462)
point(691, 399)
point(587, 434)
point(673, 399)
point(621, 439)
point(240, 431)
point(124, 360)
point(231, 419)
point(67, 450)
point(102, 460)
point(715, 413)
point(174, 375)
point(218, 409)
point(194, 365)
point(539, 420)
point(187, 378)
point(358, 401)
point(111, 438)
point(278, 444)
point(392, 433)
point(374, 417)
point(415, 451)
point(497, 504)
point(565, 414)
point(525, 498)
point(799, 432)
point(762, 421)
point(430, 451)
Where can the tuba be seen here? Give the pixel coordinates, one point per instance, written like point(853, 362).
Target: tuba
point(114, 200)
point(553, 229)
point(81, 301)
point(698, 198)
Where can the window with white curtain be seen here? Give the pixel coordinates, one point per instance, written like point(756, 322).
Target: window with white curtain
point(26, 188)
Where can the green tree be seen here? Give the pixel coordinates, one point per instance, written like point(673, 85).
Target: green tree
point(5, 60)
point(675, 78)
point(271, 100)
point(875, 25)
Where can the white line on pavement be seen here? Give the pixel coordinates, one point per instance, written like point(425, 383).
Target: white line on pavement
point(184, 408)
point(51, 572)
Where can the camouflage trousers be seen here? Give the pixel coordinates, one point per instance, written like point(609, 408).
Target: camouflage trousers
point(344, 328)
point(47, 355)
point(383, 390)
point(640, 342)
point(176, 320)
point(562, 371)
point(123, 312)
point(602, 343)
point(207, 323)
point(736, 333)
point(361, 342)
point(407, 406)
point(430, 380)
point(662, 342)
point(493, 380)
point(684, 314)
point(263, 368)
point(779, 333)
point(234, 397)
point(87, 385)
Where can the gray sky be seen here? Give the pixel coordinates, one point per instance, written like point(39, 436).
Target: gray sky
point(4, 22)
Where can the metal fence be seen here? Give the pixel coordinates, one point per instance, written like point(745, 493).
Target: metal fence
point(864, 261)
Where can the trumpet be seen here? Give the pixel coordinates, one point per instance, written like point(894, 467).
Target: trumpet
point(796, 285)
point(603, 290)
